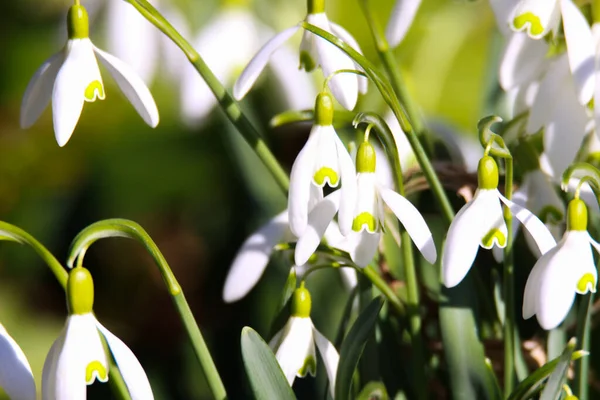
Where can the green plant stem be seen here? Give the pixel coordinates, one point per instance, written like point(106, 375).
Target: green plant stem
point(384, 288)
point(582, 384)
point(595, 11)
point(132, 230)
point(229, 105)
point(509, 290)
point(14, 233)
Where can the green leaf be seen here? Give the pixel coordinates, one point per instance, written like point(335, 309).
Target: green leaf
point(288, 288)
point(532, 384)
point(353, 346)
point(265, 375)
point(553, 388)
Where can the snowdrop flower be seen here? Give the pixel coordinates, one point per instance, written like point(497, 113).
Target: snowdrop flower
point(16, 378)
point(403, 15)
point(253, 257)
point(314, 52)
point(481, 223)
point(238, 30)
point(294, 345)
point(322, 160)
point(562, 272)
point(367, 216)
point(536, 17)
point(72, 77)
point(77, 358)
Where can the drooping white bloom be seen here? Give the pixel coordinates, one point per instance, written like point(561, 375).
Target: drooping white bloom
point(253, 257)
point(323, 160)
point(367, 217)
point(481, 223)
point(227, 44)
point(294, 345)
point(401, 19)
point(16, 378)
point(562, 272)
point(314, 52)
point(77, 358)
point(536, 17)
point(72, 77)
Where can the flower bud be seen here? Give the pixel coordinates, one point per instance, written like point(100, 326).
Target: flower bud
point(324, 109)
point(301, 303)
point(80, 291)
point(365, 158)
point(78, 25)
point(577, 217)
point(487, 173)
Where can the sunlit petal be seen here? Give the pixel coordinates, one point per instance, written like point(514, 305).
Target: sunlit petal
point(401, 19)
point(343, 34)
point(295, 346)
point(252, 258)
point(16, 377)
point(330, 358)
point(349, 189)
point(524, 60)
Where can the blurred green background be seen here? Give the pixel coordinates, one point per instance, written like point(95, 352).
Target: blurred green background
point(198, 191)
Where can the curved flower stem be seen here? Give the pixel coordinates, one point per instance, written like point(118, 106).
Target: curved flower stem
point(129, 229)
point(229, 105)
point(584, 327)
point(387, 139)
point(393, 70)
point(16, 234)
point(509, 288)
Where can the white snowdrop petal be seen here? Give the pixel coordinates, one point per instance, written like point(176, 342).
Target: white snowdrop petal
point(132, 39)
point(413, 222)
point(349, 277)
point(349, 187)
point(133, 374)
point(464, 236)
point(401, 19)
point(540, 233)
point(330, 356)
point(78, 72)
point(252, 258)
point(547, 14)
point(297, 86)
point(596, 38)
point(16, 377)
point(295, 346)
point(300, 181)
point(364, 246)
point(39, 90)
point(319, 219)
point(258, 63)
point(524, 60)
point(49, 370)
point(343, 34)
point(132, 86)
point(580, 49)
point(532, 286)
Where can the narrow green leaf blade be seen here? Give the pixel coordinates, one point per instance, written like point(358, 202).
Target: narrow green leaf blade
point(553, 388)
point(353, 346)
point(265, 375)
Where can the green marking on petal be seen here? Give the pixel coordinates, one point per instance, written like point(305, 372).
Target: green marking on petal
point(488, 239)
point(309, 366)
point(535, 26)
point(306, 61)
point(326, 173)
point(94, 91)
point(586, 283)
point(362, 219)
point(95, 370)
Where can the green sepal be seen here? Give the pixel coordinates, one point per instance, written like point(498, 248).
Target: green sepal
point(365, 158)
point(315, 6)
point(577, 215)
point(78, 25)
point(487, 173)
point(324, 109)
point(80, 291)
point(301, 303)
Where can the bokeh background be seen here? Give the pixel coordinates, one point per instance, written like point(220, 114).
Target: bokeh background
point(196, 188)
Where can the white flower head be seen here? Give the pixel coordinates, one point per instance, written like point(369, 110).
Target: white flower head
point(314, 52)
point(323, 160)
point(562, 272)
point(77, 358)
point(294, 345)
point(367, 216)
point(481, 223)
point(16, 378)
point(536, 17)
point(401, 19)
point(72, 77)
